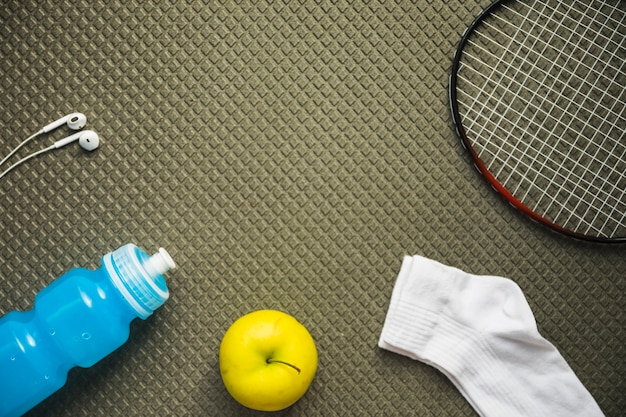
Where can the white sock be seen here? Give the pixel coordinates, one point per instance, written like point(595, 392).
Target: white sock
point(481, 333)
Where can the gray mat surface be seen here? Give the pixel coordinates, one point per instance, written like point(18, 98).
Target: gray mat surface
point(288, 155)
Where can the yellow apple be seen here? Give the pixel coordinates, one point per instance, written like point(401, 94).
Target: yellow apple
point(267, 360)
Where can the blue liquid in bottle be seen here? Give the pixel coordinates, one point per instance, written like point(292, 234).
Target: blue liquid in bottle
point(77, 320)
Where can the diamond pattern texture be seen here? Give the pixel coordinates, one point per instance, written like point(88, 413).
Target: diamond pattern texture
point(288, 154)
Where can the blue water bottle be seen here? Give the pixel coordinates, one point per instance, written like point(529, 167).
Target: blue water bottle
point(77, 320)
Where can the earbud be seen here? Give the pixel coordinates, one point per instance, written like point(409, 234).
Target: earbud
point(75, 121)
point(87, 139)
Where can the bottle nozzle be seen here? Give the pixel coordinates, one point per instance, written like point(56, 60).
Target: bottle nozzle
point(159, 263)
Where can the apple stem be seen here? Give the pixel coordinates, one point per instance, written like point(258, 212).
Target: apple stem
point(284, 363)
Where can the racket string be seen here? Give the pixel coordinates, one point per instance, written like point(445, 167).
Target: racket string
point(599, 191)
point(480, 132)
point(486, 89)
point(496, 77)
point(579, 23)
point(536, 108)
point(556, 91)
point(510, 154)
point(520, 116)
point(584, 150)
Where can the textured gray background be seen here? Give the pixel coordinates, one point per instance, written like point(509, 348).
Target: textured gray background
point(288, 155)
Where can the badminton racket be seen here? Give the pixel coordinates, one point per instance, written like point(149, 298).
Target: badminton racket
point(538, 98)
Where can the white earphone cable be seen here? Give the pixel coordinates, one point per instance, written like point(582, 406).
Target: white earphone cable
point(21, 161)
point(17, 148)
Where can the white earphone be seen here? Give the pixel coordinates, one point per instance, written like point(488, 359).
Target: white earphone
point(75, 121)
point(87, 139)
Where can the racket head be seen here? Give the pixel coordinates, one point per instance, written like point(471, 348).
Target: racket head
point(512, 128)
